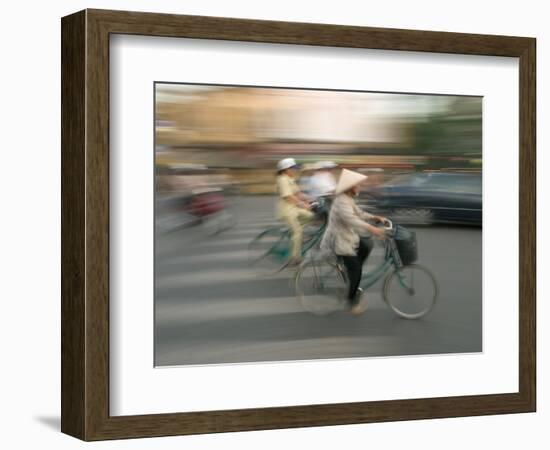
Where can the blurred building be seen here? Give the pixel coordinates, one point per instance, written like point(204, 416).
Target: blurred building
point(243, 116)
point(243, 128)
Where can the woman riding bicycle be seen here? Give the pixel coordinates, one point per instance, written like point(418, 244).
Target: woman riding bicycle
point(293, 205)
point(348, 234)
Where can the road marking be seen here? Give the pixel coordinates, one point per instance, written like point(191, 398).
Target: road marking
point(227, 255)
point(190, 310)
point(201, 277)
point(213, 241)
point(252, 232)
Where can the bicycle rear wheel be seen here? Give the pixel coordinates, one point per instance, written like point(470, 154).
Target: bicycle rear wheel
point(321, 287)
point(269, 252)
point(411, 291)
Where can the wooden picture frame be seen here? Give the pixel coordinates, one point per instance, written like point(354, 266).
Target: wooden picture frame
point(85, 224)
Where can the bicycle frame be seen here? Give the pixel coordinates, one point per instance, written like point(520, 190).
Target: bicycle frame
point(309, 244)
point(286, 236)
point(390, 259)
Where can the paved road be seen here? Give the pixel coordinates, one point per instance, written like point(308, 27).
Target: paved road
point(211, 307)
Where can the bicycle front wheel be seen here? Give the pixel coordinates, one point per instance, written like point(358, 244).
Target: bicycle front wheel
point(321, 287)
point(219, 223)
point(411, 291)
point(269, 252)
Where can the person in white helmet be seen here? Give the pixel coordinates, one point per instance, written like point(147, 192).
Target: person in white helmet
point(349, 233)
point(293, 205)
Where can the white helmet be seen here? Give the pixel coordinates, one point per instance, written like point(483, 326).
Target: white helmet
point(326, 165)
point(286, 163)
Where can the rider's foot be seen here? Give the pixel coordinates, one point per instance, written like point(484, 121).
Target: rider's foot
point(294, 262)
point(360, 304)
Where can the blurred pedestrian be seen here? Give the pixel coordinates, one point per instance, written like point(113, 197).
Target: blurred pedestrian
point(293, 205)
point(349, 234)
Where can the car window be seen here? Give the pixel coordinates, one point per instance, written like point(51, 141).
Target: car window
point(464, 184)
point(440, 182)
point(470, 185)
point(415, 180)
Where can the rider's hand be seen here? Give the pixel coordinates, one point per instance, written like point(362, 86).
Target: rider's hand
point(378, 233)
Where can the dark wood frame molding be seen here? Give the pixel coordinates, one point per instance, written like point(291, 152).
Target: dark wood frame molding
point(85, 224)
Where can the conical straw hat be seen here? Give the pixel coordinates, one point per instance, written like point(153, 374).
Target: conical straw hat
point(347, 180)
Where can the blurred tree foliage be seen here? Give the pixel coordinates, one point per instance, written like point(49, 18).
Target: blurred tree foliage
point(456, 132)
point(451, 139)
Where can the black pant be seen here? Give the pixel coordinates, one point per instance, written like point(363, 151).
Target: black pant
point(354, 267)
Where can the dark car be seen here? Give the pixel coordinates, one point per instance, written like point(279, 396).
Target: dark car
point(428, 197)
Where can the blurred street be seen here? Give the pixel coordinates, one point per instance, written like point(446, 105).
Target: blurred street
point(211, 307)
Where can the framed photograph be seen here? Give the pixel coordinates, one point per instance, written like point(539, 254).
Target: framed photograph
point(273, 225)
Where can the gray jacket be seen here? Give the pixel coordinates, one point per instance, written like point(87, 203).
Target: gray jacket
point(346, 224)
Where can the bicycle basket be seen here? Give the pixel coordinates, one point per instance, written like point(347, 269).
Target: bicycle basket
point(405, 241)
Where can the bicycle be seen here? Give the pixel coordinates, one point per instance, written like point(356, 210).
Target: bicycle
point(410, 290)
point(207, 207)
point(270, 250)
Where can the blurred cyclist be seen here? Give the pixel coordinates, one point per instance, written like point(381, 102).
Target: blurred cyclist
point(293, 206)
point(348, 234)
point(322, 182)
point(304, 180)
